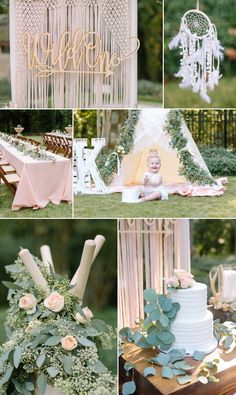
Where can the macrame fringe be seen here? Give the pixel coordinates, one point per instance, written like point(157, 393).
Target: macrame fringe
point(69, 90)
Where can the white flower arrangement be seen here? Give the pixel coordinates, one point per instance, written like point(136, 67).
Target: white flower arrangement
point(180, 280)
point(52, 340)
point(27, 148)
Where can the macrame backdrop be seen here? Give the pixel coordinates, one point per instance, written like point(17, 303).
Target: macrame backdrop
point(110, 19)
point(149, 250)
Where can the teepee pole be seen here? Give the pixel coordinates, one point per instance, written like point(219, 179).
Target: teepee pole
point(47, 257)
point(99, 240)
point(33, 270)
point(81, 276)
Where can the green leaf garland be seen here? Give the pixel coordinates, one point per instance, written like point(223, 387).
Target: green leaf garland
point(189, 168)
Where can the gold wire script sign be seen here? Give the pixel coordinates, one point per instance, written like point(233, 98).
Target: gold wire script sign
point(79, 52)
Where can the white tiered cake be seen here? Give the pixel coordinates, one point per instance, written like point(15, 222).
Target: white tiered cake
point(193, 325)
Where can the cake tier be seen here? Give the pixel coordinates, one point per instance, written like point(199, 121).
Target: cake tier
point(194, 335)
point(193, 302)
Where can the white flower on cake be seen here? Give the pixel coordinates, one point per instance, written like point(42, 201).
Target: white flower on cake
point(28, 302)
point(69, 343)
point(82, 320)
point(54, 302)
point(181, 279)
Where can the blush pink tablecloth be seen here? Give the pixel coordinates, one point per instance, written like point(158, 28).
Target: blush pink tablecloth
point(41, 181)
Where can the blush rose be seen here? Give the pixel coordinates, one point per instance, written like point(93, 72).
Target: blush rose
point(69, 343)
point(28, 302)
point(54, 302)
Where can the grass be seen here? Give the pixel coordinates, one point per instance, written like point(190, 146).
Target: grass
point(63, 210)
point(223, 95)
point(110, 206)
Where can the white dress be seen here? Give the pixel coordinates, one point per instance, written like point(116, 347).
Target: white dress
point(154, 178)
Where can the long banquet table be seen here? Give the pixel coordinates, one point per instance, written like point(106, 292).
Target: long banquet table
point(41, 181)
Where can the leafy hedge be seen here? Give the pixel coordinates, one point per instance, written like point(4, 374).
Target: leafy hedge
point(220, 161)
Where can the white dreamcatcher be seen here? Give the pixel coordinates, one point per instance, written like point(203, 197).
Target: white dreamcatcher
point(201, 53)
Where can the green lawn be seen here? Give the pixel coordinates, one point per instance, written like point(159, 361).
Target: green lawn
point(110, 206)
point(63, 210)
point(223, 95)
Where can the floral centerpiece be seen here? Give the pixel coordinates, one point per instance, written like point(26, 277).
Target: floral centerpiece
point(19, 129)
point(52, 340)
point(28, 149)
point(180, 280)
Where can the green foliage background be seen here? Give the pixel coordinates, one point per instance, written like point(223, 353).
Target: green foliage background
point(66, 239)
point(221, 13)
point(35, 121)
point(150, 35)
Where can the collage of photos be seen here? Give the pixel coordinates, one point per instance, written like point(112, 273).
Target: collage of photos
point(117, 197)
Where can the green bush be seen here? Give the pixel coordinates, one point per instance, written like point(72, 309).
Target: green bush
point(148, 88)
point(220, 161)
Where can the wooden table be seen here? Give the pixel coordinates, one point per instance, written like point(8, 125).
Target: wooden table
point(156, 385)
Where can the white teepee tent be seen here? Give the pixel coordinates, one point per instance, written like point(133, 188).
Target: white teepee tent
point(150, 134)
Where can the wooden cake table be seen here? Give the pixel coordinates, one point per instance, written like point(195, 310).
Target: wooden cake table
point(156, 385)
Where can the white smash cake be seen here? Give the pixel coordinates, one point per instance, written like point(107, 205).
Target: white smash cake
point(193, 325)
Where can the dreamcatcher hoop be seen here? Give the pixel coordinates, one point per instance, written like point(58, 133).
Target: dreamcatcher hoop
point(203, 16)
point(201, 53)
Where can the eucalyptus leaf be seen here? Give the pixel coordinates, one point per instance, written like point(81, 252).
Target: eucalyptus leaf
point(149, 308)
point(52, 371)
point(155, 315)
point(137, 336)
point(150, 371)
point(29, 385)
point(99, 325)
point(182, 365)
point(128, 388)
point(167, 372)
point(42, 383)
point(152, 338)
point(179, 372)
point(166, 337)
point(150, 295)
point(176, 306)
point(199, 355)
point(172, 313)
point(228, 341)
point(17, 356)
point(53, 341)
point(164, 320)
point(67, 363)
point(166, 304)
point(182, 380)
point(85, 342)
point(162, 359)
point(128, 366)
point(98, 367)
point(11, 285)
point(7, 375)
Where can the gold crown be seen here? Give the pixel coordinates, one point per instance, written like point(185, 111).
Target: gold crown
point(153, 153)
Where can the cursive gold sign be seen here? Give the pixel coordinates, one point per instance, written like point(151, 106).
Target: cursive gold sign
point(78, 52)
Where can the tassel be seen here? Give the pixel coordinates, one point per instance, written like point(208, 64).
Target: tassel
point(200, 56)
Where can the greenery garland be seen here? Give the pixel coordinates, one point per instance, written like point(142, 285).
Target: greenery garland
point(189, 168)
point(106, 162)
point(58, 346)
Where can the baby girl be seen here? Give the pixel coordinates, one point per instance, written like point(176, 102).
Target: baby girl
point(153, 188)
